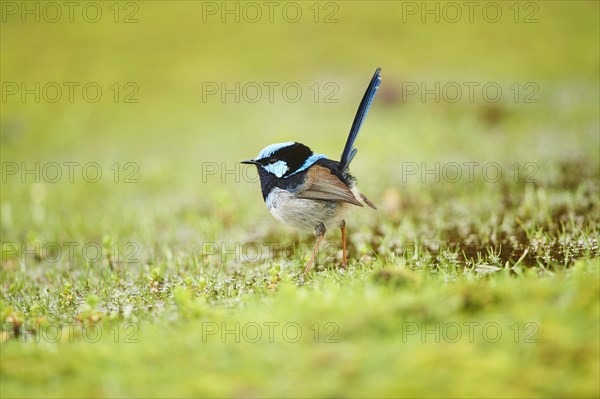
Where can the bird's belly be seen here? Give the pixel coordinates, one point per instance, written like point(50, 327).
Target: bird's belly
point(304, 214)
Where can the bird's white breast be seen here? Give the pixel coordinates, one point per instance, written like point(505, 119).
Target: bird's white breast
point(304, 214)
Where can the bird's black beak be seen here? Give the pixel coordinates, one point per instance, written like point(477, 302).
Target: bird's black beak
point(250, 162)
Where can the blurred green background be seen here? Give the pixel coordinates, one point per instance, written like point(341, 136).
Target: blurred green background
point(170, 53)
point(166, 55)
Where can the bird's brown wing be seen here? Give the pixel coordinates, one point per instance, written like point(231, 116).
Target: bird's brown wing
point(322, 184)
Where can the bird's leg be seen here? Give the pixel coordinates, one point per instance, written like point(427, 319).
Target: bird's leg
point(343, 228)
point(319, 233)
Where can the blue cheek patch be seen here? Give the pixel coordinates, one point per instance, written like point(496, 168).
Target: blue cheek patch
point(278, 168)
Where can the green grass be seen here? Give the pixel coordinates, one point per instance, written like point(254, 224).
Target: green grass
point(390, 331)
point(178, 265)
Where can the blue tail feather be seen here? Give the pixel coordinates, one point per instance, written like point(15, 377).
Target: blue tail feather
point(349, 152)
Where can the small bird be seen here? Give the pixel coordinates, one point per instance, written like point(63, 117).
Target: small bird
point(308, 191)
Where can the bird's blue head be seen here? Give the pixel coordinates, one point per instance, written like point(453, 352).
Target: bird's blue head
point(283, 160)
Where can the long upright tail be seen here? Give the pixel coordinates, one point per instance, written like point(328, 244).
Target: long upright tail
point(363, 108)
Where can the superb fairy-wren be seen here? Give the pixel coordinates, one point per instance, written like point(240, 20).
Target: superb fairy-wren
point(309, 191)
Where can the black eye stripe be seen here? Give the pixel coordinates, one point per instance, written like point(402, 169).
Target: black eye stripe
point(294, 156)
point(267, 161)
